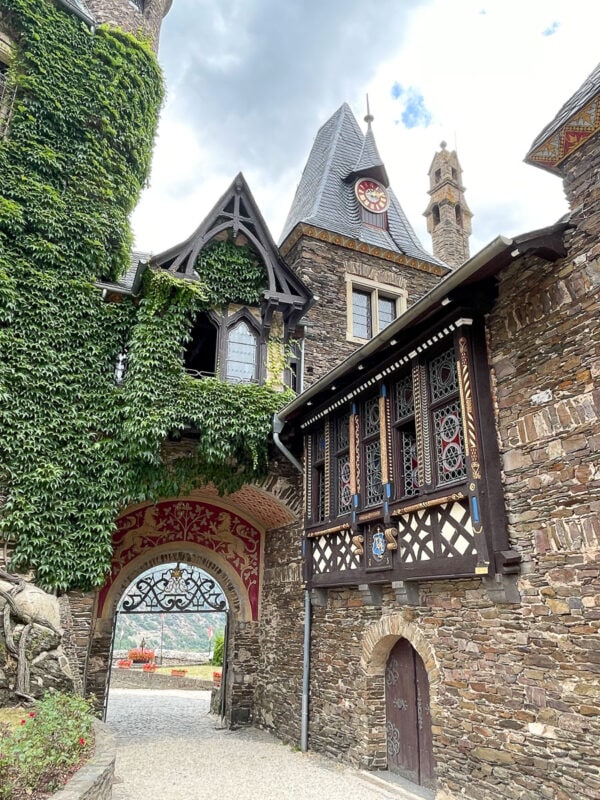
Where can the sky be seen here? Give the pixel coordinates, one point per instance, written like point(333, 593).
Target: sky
point(250, 82)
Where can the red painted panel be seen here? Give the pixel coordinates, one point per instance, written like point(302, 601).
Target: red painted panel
point(180, 521)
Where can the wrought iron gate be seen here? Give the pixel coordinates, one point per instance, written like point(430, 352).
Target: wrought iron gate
point(176, 588)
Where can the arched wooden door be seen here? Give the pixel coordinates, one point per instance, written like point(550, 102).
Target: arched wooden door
point(408, 720)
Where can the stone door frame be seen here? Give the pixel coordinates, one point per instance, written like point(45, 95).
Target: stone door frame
point(377, 642)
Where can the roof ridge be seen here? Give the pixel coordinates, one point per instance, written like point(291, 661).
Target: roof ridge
point(341, 113)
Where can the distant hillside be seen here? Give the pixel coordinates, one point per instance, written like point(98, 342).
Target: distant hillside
point(176, 631)
point(179, 631)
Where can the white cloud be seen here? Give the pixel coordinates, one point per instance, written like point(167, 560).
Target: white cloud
point(250, 84)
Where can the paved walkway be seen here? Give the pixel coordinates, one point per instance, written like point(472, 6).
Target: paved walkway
point(168, 748)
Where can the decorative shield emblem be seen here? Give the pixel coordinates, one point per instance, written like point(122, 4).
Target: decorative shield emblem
point(377, 552)
point(378, 545)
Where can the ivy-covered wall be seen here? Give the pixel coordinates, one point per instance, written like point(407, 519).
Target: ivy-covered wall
point(74, 446)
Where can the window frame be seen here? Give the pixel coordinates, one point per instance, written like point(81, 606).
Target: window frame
point(231, 325)
point(375, 290)
point(8, 90)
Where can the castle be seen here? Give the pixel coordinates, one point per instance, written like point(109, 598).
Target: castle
point(412, 581)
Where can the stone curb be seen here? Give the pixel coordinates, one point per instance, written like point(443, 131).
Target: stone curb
point(393, 790)
point(94, 780)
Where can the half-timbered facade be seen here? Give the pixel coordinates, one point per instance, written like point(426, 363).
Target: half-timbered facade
point(451, 541)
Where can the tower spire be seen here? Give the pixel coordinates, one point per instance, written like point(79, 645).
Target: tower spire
point(448, 215)
point(369, 117)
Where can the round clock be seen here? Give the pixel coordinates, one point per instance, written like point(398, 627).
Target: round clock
point(372, 195)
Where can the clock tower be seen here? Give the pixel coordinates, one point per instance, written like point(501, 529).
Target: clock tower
point(349, 240)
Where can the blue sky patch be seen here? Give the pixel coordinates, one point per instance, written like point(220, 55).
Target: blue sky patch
point(415, 114)
point(551, 29)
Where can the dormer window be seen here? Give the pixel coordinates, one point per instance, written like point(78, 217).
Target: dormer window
point(375, 220)
point(374, 201)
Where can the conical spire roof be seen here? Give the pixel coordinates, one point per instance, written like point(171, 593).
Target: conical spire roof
point(369, 163)
point(325, 195)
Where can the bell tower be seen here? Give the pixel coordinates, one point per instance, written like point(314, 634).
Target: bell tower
point(448, 215)
point(132, 16)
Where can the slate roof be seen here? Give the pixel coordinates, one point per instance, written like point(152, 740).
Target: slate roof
point(586, 92)
point(325, 196)
point(79, 8)
point(130, 282)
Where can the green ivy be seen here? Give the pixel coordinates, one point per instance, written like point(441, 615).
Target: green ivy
point(233, 273)
point(75, 448)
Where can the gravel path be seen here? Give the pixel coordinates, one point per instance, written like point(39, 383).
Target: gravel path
point(168, 748)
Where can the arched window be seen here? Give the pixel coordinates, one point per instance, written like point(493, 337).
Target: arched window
point(200, 358)
point(458, 212)
point(435, 213)
point(242, 352)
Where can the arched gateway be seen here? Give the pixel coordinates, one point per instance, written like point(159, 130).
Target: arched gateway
point(222, 537)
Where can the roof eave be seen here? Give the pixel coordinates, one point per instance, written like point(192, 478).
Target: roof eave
point(547, 242)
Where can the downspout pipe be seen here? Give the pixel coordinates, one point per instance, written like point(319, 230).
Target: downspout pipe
point(305, 673)
point(277, 428)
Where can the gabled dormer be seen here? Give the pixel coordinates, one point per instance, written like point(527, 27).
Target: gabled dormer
point(257, 301)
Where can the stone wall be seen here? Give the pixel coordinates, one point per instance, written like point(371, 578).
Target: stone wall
point(279, 681)
point(126, 14)
point(515, 689)
point(323, 267)
point(95, 779)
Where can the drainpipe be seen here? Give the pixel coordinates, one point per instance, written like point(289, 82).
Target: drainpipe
point(305, 674)
point(277, 428)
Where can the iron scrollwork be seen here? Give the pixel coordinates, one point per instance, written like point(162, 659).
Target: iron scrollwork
point(179, 588)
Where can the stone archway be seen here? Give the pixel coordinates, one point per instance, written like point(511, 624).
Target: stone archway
point(378, 641)
point(214, 534)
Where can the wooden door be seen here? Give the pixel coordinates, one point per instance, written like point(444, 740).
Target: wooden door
point(408, 720)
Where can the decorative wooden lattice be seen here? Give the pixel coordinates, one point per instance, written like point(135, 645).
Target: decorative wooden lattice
point(334, 553)
point(444, 531)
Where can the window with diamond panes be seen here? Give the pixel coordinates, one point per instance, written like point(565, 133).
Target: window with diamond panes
point(342, 465)
point(405, 438)
point(446, 419)
point(371, 451)
point(318, 478)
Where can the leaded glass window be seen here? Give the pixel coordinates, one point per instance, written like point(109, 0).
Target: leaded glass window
point(405, 438)
point(318, 481)
point(449, 452)
point(371, 411)
point(373, 488)
point(387, 311)
point(362, 326)
point(410, 464)
point(447, 445)
point(342, 464)
point(443, 380)
point(373, 485)
point(242, 353)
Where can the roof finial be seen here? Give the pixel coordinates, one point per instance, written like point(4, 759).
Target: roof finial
point(443, 145)
point(369, 118)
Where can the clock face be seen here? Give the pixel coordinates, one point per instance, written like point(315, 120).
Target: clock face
point(372, 195)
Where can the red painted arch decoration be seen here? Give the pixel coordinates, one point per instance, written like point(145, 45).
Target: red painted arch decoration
point(195, 522)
